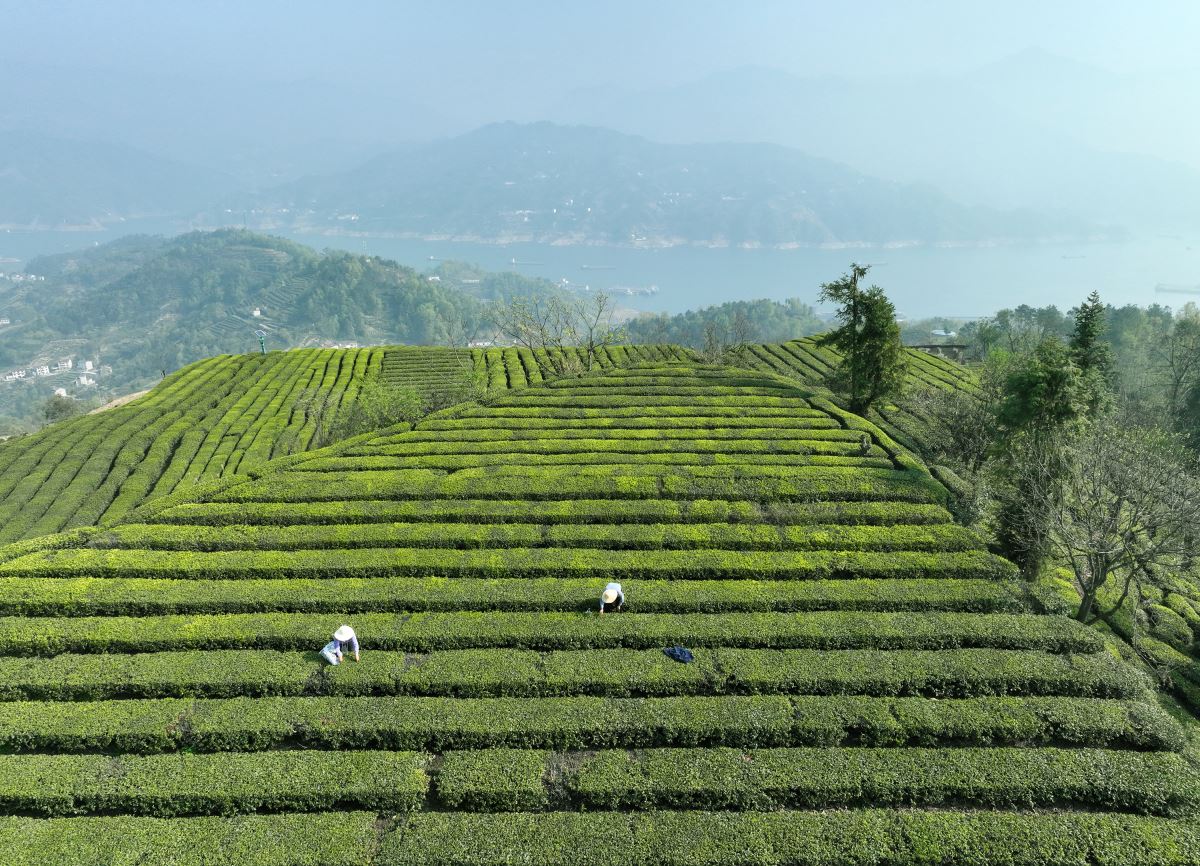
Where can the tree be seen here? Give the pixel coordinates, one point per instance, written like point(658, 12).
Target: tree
point(1122, 504)
point(59, 408)
point(1177, 360)
point(1041, 408)
point(554, 322)
point(1042, 392)
point(873, 363)
point(593, 321)
point(1092, 354)
point(375, 406)
point(960, 426)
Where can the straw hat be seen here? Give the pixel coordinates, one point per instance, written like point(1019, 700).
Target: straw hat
point(610, 595)
point(343, 633)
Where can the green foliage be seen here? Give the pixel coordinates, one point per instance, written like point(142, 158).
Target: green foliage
point(312, 839)
point(507, 562)
point(611, 672)
point(873, 362)
point(493, 780)
point(57, 596)
point(736, 321)
point(1092, 354)
point(853, 647)
point(806, 778)
point(734, 482)
point(610, 536)
point(59, 408)
point(220, 784)
point(1043, 392)
point(430, 631)
point(826, 838)
point(413, 723)
point(563, 511)
point(375, 407)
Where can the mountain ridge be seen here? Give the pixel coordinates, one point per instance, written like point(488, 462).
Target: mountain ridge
point(550, 183)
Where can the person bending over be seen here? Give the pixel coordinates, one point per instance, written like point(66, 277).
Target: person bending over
point(344, 640)
point(612, 598)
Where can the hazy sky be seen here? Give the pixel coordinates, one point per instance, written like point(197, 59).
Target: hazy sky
point(274, 89)
point(543, 49)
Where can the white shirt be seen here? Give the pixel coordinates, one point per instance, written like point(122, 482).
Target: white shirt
point(617, 588)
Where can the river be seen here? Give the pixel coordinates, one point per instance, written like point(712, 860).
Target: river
point(966, 281)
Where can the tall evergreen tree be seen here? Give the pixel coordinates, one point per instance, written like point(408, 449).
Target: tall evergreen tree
point(1041, 406)
point(873, 362)
point(1092, 354)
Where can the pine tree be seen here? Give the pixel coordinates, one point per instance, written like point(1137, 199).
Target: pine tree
point(873, 363)
point(1092, 354)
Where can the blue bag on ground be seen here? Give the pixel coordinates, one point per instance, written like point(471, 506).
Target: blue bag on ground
point(680, 654)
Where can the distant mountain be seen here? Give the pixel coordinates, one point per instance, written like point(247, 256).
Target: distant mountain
point(558, 184)
point(1032, 130)
point(50, 182)
point(143, 305)
point(259, 131)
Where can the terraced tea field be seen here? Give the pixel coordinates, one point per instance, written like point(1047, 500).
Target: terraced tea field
point(812, 362)
point(217, 417)
point(223, 416)
point(428, 367)
point(869, 684)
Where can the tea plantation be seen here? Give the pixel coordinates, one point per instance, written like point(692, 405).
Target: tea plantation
point(812, 361)
point(869, 684)
point(224, 416)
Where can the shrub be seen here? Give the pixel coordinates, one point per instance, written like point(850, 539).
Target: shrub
point(1152, 783)
point(263, 840)
point(181, 784)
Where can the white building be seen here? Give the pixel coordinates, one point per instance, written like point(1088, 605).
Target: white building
point(5, 320)
point(257, 312)
point(42, 371)
point(60, 392)
point(65, 364)
point(85, 380)
point(87, 366)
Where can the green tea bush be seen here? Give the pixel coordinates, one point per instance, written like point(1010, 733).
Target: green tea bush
point(611, 672)
point(439, 724)
point(312, 839)
point(508, 562)
point(493, 780)
point(426, 632)
point(826, 838)
point(624, 511)
point(611, 536)
point(217, 784)
point(134, 596)
point(1151, 783)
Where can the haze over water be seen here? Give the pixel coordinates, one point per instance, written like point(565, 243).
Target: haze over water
point(967, 281)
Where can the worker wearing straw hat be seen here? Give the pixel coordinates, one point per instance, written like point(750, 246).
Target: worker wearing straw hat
point(612, 598)
point(343, 638)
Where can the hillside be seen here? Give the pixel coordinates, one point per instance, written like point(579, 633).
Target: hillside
point(810, 361)
point(868, 680)
point(553, 184)
point(144, 305)
point(227, 415)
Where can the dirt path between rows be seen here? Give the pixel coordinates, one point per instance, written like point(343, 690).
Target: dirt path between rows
point(120, 401)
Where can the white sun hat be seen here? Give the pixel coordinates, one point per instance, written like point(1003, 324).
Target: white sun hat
point(343, 633)
point(610, 595)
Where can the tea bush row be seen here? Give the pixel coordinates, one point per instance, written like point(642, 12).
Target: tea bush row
point(53, 596)
point(624, 511)
point(508, 562)
point(945, 537)
point(441, 724)
point(429, 632)
point(603, 672)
